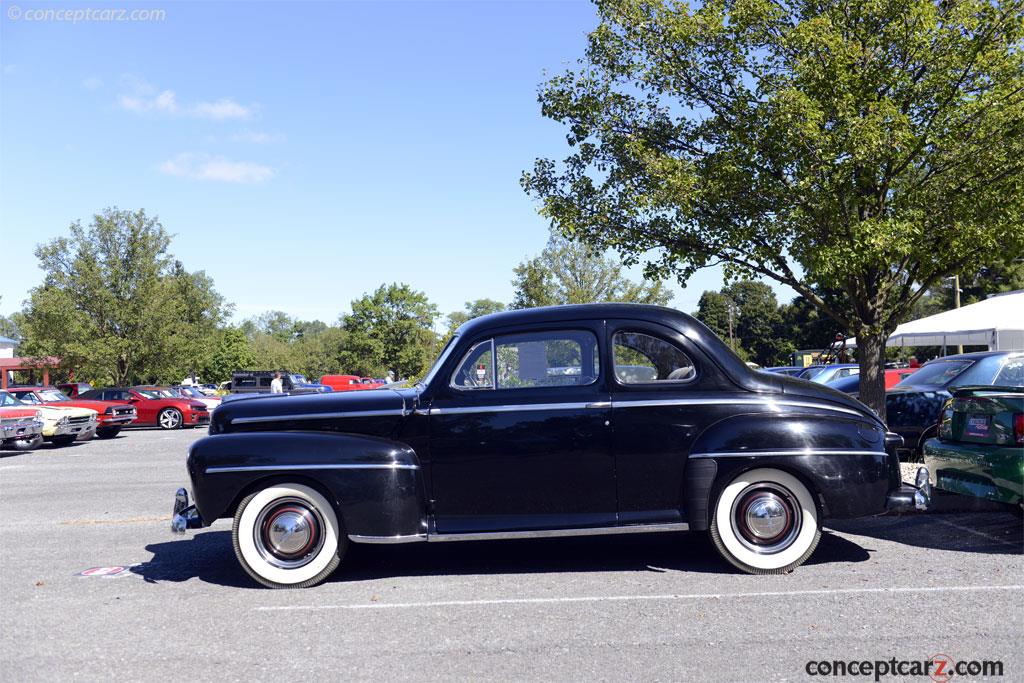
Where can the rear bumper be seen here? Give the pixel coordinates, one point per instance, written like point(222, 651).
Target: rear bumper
point(184, 516)
point(993, 473)
point(908, 498)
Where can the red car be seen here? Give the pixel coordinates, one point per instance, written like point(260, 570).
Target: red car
point(75, 389)
point(155, 406)
point(345, 382)
point(21, 429)
point(112, 416)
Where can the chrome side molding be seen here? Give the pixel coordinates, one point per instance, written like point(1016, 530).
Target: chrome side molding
point(532, 533)
point(326, 466)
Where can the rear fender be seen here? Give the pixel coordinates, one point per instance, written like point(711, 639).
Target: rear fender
point(374, 483)
point(841, 460)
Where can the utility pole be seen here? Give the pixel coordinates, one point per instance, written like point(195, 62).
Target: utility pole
point(956, 302)
point(732, 342)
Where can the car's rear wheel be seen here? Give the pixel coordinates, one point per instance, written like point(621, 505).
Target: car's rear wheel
point(108, 432)
point(765, 522)
point(169, 418)
point(288, 536)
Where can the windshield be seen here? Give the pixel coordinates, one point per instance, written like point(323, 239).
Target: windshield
point(51, 395)
point(190, 391)
point(936, 373)
point(811, 372)
point(154, 393)
point(8, 400)
point(445, 352)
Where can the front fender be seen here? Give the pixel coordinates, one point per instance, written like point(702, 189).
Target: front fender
point(374, 483)
point(841, 460)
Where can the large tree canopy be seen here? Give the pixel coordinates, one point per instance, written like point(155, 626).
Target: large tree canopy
point(117, 307)
point(571, 273)
point(867, 146)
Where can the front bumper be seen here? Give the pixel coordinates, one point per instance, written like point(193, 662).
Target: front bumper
point(68, 428)
point(184, 516)
point(911, 497)
point(23, 429)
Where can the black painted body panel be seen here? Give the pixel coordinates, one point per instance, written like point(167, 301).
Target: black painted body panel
point(551, 457)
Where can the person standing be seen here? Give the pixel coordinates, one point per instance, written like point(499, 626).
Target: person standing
point(276, 386)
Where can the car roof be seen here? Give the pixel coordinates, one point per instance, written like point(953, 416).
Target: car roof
point(975, 355)
point(567, 312)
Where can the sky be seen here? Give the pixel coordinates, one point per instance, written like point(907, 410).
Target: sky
point(301, 154)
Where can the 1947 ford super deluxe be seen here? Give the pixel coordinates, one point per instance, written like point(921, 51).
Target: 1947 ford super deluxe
point(564, 421)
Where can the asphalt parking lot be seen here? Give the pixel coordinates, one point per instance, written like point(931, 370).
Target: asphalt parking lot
point(656, 606)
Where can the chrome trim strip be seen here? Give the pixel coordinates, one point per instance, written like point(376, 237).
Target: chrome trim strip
point(318, 416)
point(387, 540)
point(788, 451)
point(558, 533)
point(509, 408)
point(285, 468)
point(731, 401)
point(640, 404)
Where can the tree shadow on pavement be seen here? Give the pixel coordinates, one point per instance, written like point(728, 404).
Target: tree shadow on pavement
point(210, 557)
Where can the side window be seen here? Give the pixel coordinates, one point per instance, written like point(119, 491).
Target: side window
point(476, 371)
point(244, 382)
point(547, 359)
point(643, 359)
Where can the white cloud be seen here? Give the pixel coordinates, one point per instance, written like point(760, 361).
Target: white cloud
point(255, 137)
point(143, 97)
point(92, 83)
point(219, 169)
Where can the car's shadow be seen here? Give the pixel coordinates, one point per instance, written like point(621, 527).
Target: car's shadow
point(209, 557)
point(995, 533)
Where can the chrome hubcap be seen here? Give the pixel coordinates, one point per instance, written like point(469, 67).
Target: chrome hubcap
point(289, 533)
point(169, 419)
point(766, 518)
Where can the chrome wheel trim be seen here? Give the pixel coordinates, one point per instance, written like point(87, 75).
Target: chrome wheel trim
point(289, 533)
point(766, 518)
point(169, 418)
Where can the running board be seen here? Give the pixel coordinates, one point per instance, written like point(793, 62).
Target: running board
point(533, 533)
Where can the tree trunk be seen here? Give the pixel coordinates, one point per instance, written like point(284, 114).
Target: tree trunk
point(871, 358)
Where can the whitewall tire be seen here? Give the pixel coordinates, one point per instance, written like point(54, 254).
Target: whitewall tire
point(288, 536)
point(765, 522)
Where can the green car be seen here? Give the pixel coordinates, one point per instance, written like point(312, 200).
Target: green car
point(980, 448)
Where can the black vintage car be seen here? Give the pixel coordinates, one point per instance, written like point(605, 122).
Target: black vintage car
point(564, 421)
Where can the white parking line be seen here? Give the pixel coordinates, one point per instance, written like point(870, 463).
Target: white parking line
point(628, 598)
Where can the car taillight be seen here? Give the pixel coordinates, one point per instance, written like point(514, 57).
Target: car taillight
point(1018, 427)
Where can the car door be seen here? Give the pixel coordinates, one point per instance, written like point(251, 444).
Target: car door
point(146, 408)
point(519, 436)
point(664, 393)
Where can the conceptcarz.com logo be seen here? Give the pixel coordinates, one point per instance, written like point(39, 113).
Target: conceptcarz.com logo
point(939, 668)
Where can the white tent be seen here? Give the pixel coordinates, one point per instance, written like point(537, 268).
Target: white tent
point(996, 322)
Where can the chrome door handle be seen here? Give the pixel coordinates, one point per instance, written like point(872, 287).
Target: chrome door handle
point(599, 404)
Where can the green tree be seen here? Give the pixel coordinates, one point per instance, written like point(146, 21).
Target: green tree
point(230, 352)
point(871, 147)
point(115, 305)
point(567, 272)
point(390, 329)
point(713, 311)
point(9, 326)
point(759, 322)
point(473, 309)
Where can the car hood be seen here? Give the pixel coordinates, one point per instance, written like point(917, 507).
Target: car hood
point(53, 413)
point(277, 411)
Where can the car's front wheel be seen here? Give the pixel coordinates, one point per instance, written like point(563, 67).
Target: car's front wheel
point(169, 418)
point(288, 536)
point(765, 522)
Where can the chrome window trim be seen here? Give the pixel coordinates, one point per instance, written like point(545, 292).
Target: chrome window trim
point(657, 382)
point(286, 468)
point(788, 451)
point(319, 416)
point(462, 361)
